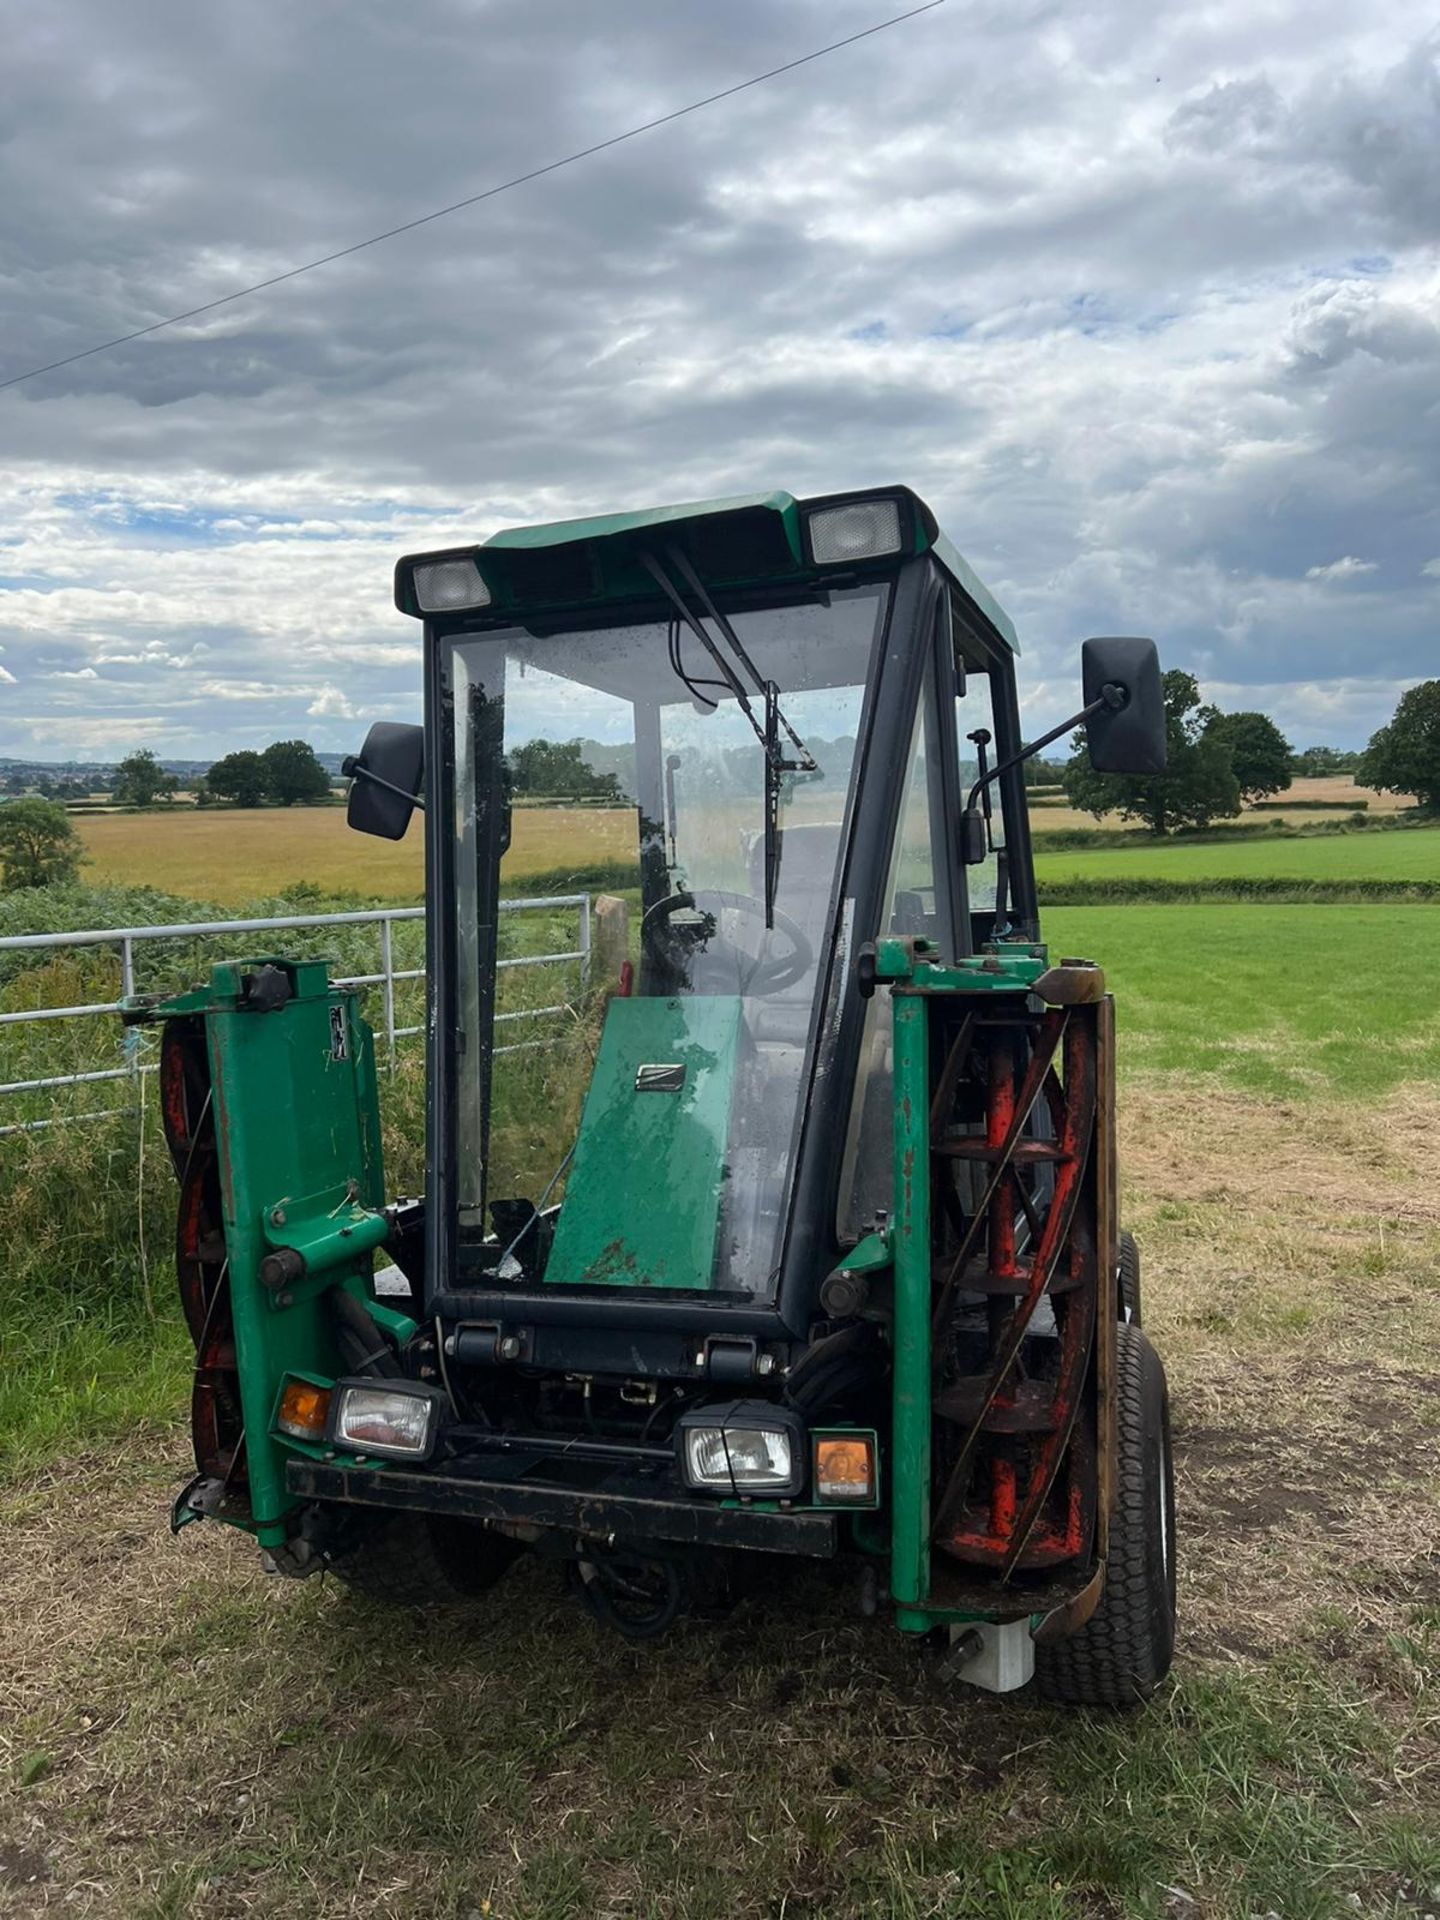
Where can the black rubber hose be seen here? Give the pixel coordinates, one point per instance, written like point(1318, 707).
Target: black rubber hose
point(365, 1347)
point(852, 1352)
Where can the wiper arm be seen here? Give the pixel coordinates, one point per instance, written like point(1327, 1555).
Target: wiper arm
point(776, 763)
point(696, 626)
point(806, 762)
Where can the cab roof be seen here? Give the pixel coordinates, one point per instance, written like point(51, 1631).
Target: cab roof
point(742, 540)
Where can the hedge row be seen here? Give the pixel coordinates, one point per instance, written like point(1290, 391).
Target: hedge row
point(1311, 806)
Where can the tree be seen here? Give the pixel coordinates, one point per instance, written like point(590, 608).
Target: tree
point(140, 780)
point(1197, 787)
point(39, 846)
point(1259, 752)
point(560, 768)
point(292, 773)
point(1405, 756)
point(1320, 763)
point(240, 777)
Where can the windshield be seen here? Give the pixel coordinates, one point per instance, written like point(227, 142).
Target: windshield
point(617, 770)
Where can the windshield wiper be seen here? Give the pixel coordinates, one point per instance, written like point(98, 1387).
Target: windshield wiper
point(777, 765)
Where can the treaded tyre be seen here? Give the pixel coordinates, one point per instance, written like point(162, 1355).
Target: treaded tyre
point(1123, 1651)
point(1129, 1287)
point(420, 1560)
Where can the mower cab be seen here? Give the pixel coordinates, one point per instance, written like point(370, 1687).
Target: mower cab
point(802, 1238)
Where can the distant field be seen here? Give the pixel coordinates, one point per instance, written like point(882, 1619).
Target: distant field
point(236, 857)
point(1408, 855)
point(1302, 803)
point(232, 857)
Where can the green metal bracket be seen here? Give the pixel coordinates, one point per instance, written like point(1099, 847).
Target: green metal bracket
point(873, 1254)
point(1004, 967)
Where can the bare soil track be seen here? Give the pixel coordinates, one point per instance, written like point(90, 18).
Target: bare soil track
point(184, 1737)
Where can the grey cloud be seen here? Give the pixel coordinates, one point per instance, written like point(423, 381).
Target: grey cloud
point(1126, 345)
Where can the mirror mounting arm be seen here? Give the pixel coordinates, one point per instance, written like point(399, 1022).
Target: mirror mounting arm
point(1112, 696)
point(352, 767)
point(974, 826)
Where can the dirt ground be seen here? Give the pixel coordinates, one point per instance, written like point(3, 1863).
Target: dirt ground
point(183, 1736)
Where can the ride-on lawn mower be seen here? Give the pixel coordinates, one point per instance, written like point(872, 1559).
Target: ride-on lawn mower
point(802, 1240)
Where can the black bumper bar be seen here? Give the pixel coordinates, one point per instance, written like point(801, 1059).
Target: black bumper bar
point(623, 1506)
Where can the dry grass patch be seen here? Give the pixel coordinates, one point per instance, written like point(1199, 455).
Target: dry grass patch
point(1293, 1267)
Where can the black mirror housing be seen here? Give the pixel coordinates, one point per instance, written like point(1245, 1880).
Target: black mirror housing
point(386, 778)
point(1128, 736)
point(974, 841)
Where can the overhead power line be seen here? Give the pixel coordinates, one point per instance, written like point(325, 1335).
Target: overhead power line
point(473, 199)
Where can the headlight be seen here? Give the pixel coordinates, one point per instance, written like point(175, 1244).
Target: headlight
point(860, 530)
point(449, 586)
point(392, 1420)
point(744, 1446)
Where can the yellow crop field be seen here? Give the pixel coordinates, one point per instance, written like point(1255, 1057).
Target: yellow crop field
point(232, 857)
point(1304, 800)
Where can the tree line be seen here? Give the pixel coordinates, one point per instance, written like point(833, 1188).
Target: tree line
point(1218, 761)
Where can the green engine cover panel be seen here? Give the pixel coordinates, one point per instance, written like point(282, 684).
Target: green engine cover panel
point(642, 1203)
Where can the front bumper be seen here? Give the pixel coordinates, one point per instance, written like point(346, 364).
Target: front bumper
point(584, 1498)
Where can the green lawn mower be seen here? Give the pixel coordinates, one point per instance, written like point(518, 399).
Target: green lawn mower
point(802, 1238)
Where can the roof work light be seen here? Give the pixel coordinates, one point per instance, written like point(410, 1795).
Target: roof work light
point(858, 530)
point(450, 585)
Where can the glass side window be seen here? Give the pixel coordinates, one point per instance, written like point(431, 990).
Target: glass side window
point(912, 906)
point(975, 733)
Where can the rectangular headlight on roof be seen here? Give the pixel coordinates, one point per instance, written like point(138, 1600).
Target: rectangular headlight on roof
point(859, 530)
point(449, 586)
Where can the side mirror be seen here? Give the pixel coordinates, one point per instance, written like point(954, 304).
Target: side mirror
point(385, 779)
point(1127, 733)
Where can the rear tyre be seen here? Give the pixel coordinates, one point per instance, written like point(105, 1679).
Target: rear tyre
point(421, 1560)
point(1123, 1651)
point(1129, 1282)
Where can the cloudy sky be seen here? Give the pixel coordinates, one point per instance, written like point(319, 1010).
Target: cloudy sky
point(1145, 301)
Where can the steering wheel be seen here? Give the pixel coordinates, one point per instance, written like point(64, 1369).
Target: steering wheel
point(764, 975)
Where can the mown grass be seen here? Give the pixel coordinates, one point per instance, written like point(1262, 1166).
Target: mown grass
point(1295, 1001)
point(1362, 857)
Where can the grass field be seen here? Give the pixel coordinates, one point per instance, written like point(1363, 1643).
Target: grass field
point(1413, 854)
point(180, 1736)
point(1326, 1001)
